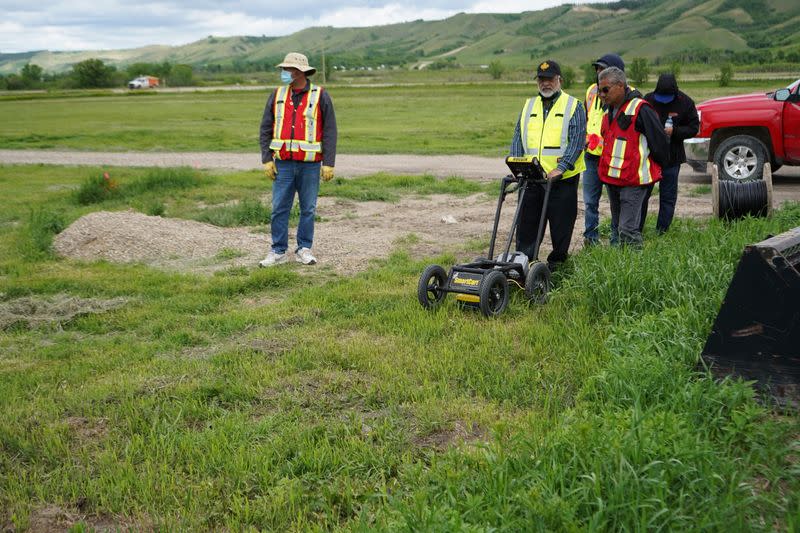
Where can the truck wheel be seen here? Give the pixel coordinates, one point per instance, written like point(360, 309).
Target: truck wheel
point(740, 158)
point(493, 293)
point(429, 288)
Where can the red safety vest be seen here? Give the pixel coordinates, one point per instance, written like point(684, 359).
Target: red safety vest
point(626, 156)
point(297, 131)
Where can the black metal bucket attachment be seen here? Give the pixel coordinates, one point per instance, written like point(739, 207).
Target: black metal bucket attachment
point(756, 335)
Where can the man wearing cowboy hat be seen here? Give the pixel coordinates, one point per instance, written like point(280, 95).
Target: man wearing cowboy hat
point(298, 147)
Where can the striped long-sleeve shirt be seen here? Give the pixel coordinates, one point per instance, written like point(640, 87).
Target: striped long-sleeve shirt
point(576, 135)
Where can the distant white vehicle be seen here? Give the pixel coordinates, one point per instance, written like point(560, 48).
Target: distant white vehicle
point(143, 82)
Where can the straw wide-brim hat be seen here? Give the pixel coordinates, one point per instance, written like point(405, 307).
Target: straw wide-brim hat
point(298, 61)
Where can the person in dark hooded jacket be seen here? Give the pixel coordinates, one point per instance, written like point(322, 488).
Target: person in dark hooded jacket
point(679, 115)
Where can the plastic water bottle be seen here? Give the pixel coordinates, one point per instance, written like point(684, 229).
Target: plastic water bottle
point(668, 123)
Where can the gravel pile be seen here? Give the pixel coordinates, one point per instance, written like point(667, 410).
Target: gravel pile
point(132, 237)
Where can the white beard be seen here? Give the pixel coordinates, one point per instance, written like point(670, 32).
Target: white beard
point(546, 94)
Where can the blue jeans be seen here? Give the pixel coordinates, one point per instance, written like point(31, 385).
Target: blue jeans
point(592, 190)
point(667, 198)
point(303, 178)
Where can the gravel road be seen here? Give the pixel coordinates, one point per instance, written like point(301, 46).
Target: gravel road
point(786, 180)
point(346, 165)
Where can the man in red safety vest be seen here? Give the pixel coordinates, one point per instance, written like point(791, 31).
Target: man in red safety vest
point(592, 186)
point(634, 149)
point(298, 147)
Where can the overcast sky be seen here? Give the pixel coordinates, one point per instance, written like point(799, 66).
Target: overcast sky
point(112, 24)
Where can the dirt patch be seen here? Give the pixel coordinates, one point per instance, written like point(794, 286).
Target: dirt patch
point(268, 346)
point(328, 390)
point(52, 518)
point(54, 310)
point(87, 430)
point(459, 433)
point(324, 394)
point(349, 235)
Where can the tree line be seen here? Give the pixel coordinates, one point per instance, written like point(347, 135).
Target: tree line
point(94, 73)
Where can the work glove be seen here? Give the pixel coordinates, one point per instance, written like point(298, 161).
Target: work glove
point(270, 171)
point(326, 173)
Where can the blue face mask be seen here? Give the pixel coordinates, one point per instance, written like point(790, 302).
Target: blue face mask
point(286, 76)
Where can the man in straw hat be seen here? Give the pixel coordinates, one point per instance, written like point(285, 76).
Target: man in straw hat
point(298, 147)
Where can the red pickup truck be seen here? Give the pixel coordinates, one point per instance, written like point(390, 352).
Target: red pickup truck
point(741, 133)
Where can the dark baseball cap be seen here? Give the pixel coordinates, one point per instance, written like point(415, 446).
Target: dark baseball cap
point(548, 69)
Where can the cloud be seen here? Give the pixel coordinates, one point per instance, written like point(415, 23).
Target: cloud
point(86, 25)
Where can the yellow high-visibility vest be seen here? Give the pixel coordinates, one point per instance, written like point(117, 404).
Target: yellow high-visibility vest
point(547, 139)
point(594, 121)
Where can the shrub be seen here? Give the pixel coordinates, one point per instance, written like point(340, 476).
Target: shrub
point(155, 208)
point(96, 189)
point(589, 74)
point(725, 75)
point(568, 77)
point(496, 70)
point(639, 71)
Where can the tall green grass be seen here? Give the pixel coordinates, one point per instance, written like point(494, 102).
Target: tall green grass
point(247, 212)
point(389, 188)
point(35, 239)
point(101, 187)
point(280, 399)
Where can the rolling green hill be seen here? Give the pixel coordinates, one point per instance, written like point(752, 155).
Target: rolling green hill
point(663, 31)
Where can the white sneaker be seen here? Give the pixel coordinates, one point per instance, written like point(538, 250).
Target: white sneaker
point(273, 259)
point(303, 255)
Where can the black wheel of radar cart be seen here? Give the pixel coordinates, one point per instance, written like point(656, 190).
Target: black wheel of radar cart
point(494, 293)
point(429, 288)
point(537, 283)
point(740, 158)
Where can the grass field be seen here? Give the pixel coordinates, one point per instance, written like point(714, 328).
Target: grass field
point(437, 118)
point(275, 400)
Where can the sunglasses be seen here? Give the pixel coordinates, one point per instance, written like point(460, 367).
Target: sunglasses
point(605, 89)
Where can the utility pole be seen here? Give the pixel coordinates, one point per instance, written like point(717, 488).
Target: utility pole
point(323, 65)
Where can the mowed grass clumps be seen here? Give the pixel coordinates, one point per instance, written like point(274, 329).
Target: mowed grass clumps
point(270, 400)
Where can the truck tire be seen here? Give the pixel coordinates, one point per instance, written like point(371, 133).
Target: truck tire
point(741, 158)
